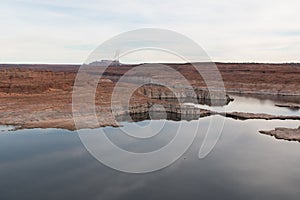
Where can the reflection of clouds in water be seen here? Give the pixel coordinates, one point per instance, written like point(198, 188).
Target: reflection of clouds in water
point(258, 163)
point(64, 171)
point(154, 145)
point(52, 164)
point(251, 104)
point(165, 135)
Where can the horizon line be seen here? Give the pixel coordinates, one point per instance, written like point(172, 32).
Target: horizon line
point(220, 62)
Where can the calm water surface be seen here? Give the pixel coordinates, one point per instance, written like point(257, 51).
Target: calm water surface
point(255, 105)
point(53, 164)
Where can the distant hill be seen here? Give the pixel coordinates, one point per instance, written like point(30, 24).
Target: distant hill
point(105, 63)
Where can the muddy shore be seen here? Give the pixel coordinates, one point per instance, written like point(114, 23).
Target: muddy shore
point(40, 96)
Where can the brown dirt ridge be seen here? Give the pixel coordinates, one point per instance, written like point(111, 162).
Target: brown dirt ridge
point(39, 95)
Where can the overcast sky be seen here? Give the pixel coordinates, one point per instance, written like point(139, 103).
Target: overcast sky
point(57, 31)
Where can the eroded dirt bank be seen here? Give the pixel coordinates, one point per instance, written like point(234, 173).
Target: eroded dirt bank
point(41, 95)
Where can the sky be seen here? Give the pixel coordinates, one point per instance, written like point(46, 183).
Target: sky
point(58, 31)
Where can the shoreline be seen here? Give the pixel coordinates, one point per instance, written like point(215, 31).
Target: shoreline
point(40, 96)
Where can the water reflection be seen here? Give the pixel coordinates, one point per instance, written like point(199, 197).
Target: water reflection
point(53, 164)
point(50, 163)
point(5, 128)
point(253, 105)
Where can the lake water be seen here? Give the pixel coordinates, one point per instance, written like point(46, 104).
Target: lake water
point(264, 104)
point(53, 164)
